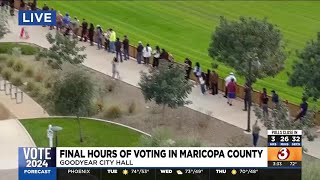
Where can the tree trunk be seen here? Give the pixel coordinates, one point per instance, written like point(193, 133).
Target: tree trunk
point(249, 79)
point(80, 129)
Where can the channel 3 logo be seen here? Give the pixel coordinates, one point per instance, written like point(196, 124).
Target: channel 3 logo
point(283, 154)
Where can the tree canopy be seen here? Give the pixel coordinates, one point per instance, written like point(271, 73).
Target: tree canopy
point(73, 94)
point(235, 43)
point(166, 86)
point(306, 71)
point(63, 49)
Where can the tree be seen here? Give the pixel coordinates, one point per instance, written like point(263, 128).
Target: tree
point(254, 48)
point(63, 49)
point(281, 119)
point(306, 71)
point(4, 26)
point(163, 138)
point(166, 86)
point(73, 94)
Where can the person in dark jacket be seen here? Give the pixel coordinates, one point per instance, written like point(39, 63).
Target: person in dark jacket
point(118, 46)
point(164, 55)
point(84, 30)
point(207, 79)
point(45, 7)
point(91, 34)
point(247, 91)
point(214, 79)
point(99, 36)
point(188, 67)
point(139, 52)
point(264, 102)
point(125, 44)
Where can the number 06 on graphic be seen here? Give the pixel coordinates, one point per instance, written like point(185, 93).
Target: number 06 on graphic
point(284, 148)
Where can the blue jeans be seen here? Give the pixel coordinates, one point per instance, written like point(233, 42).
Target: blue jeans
point(112, 47)
point(139, 57)
point(126, 54)
point(99, 42)
point(255, 139)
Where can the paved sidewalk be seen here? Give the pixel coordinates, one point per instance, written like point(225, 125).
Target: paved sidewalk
point(129, 72)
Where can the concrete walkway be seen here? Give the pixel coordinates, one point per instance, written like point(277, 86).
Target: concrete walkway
point(129, 72)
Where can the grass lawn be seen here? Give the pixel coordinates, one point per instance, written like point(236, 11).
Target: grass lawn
point(96, 133)
point(184, 28)
point(26, 49)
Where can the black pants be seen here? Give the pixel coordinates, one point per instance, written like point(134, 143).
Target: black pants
point(188, 71)
point(146, 60)
point(226, 92)
point(214, 87)
point(155, 62)
point(83, 35)
point(106, 44)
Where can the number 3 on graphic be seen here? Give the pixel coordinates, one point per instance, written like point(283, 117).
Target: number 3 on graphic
point(283, 154)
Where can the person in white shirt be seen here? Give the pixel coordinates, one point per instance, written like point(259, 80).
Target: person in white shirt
point(227, 80)
point(147, 51)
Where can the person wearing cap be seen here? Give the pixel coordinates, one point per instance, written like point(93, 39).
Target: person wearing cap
point(113, 38)
point(139, 52)
point(227, 80)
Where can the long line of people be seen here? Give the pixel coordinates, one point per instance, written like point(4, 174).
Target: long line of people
point(208, 81)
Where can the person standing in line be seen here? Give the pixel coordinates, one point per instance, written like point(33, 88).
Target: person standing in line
point(107, 40)
point(202, 83)
point(91, 34)
point(59, 21)
point(247, 92)
point(264, 102)
point(118, 46)
point(125, 43)
point(139, 52)
point(84, 30)
point(303, 109)
point(188, 67)
point(50, 27)
point(207, 79)
point(99, 34)
point(275, 99)
point(115, 70)
point(197, 72)
point(44, 8)
point(214, 82)
point(255, 133)
point(227, 81)
point(113, 38)
point(66, 20)
point(164, 55)
point(156, 56)
point(76, 26)
point(147, 54)
point(232, 89)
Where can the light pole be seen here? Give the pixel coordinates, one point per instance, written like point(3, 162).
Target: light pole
point(56, 129)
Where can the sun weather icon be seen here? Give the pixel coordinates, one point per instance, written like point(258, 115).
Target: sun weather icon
point(125, 172)
point(234, 172)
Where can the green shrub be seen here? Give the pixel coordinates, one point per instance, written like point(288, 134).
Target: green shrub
point(1, 68)
point(17, 81)
point(30, 86)
point(48, 84)
point(7, 74)
point(39, 77)
point(18, 66)
point(113, 112)
point(29, 72)
point(36, 91)
point(132, 107)
point(10, 63)
point(3, 58)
